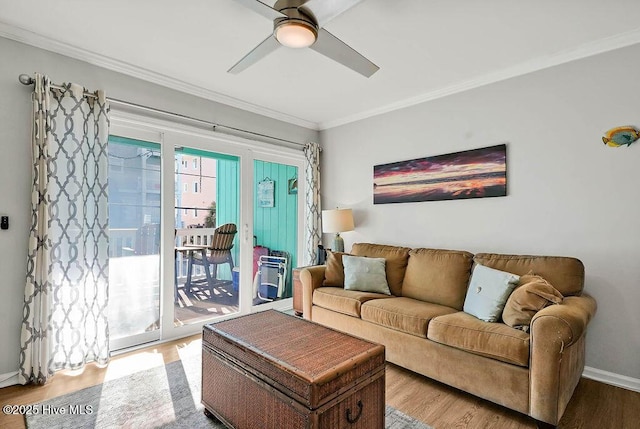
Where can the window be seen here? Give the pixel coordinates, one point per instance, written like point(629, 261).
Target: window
point(185, 164)
point(195, 213)
point(195, 163)
point(195, 187)
point(186, 212)
point(186, 187)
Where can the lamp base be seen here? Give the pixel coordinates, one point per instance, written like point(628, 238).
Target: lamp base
point(338, 243)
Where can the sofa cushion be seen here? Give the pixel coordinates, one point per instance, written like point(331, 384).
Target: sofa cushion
point(343, 301)
point(495, 340)
point(365, 274)
point(438, 276)
point(488, 292)
point(532, 295)
point(403, 314)
point(396, 261)
point(564, 273)
point(334, 273)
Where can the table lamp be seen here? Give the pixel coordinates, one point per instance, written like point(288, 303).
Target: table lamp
point(338, 220)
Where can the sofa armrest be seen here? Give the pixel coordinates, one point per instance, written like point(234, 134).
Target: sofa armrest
point(310, 278)
point(565, 322)
point(557, 355)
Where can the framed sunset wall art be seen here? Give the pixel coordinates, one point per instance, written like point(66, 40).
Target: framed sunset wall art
point(473, 173)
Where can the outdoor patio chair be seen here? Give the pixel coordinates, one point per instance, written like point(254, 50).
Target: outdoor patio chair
point(217, 253)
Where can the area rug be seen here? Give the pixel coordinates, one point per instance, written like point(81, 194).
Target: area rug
point(161, 397)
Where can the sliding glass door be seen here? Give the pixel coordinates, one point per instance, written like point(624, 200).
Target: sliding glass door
point(134, 241)
point(191, 213)
point(205, 232)
point(206, 223)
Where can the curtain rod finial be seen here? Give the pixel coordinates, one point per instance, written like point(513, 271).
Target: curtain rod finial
point(25, 79)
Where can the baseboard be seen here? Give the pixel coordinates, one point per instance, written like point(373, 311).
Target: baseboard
point(8, 379)
point(612, 378)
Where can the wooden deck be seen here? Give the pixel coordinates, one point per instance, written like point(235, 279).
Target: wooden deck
point(199, 303)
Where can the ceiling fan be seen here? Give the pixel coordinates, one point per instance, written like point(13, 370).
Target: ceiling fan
point(299, 24)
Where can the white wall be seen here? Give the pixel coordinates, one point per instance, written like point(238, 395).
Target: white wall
point(15, 164)
point(568, 194)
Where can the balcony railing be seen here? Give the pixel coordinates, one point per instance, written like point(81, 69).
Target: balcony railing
point(186, 237)
point(197, 236)
point(146, 241)
point(122, 242)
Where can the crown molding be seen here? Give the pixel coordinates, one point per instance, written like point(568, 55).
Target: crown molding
point(13, 32)
point(617, 41)
point(583, 51)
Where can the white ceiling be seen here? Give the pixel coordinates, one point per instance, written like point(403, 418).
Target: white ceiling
point(425, 48)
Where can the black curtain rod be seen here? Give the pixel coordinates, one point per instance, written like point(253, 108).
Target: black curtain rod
point(28, 80)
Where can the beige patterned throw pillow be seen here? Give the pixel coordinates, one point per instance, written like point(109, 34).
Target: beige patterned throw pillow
point(532, 295)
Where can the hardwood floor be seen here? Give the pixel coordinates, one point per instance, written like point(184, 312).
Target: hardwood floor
point(594, 405)
point(68, 381)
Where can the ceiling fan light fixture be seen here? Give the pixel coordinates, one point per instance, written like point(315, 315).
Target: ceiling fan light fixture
point(295, 34)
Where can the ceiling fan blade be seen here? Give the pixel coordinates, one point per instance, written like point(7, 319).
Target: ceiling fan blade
point(325, 10)
point(261, 8)
point(334, 48)
point(267, 46)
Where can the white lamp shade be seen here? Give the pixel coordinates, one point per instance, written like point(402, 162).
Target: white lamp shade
point(338, 220)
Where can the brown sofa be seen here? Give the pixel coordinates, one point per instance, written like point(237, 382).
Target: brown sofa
point(424, 329)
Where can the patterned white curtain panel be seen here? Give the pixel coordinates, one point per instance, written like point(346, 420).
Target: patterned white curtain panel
point(313, 210)
point(65, 302)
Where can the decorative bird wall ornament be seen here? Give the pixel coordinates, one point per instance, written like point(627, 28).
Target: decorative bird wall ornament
point(621, 136)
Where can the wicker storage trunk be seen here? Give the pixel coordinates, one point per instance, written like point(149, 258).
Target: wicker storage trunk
point(272, 370)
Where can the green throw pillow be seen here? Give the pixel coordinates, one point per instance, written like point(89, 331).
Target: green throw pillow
point(488, 291)
point(365, 274)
